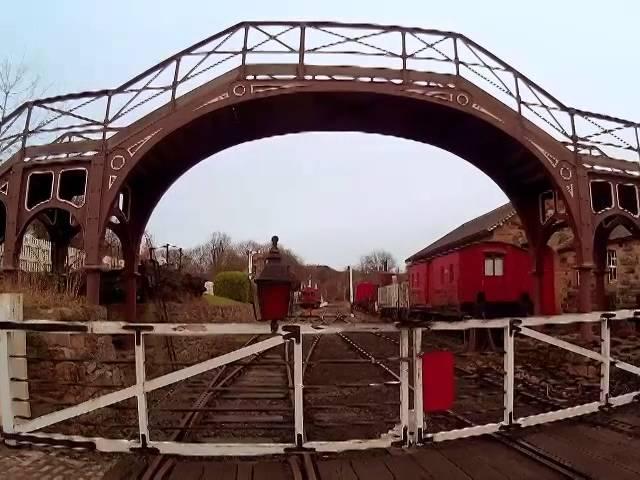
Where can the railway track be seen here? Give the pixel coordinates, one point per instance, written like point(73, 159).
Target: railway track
point(542, 457)
point(230, 396)
point(229, 400)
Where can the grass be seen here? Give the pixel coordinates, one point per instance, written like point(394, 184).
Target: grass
point(216, 300)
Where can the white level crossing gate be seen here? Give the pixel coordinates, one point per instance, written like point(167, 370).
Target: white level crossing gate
point(17, 427)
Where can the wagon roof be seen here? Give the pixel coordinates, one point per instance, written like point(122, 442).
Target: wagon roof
point(474, 229)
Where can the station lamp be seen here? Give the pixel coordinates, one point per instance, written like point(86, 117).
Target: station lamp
point(275, 286)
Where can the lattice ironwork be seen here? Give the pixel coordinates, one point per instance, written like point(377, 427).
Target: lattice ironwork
point(101, 114)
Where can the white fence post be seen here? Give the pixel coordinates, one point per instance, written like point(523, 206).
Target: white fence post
point(509, 356)
point(297, 392)
point(605, 365)
point(6, 403)
point(11, 310)
point(417, 385)
point(404, 383)
point(143, 419)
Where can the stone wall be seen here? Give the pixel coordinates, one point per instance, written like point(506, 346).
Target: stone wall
point(624, 292)
point(511, 231)
point(198, 311)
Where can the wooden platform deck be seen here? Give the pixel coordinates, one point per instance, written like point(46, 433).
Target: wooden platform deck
point(601, 446)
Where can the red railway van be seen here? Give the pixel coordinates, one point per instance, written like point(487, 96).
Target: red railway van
point(486, 278)
point(365, 296)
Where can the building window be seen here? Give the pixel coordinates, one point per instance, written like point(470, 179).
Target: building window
point(450, 273)
point(612, 265)
point(493, 266)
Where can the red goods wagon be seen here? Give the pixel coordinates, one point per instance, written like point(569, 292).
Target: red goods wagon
point(310, 297)
point(486, 278)
point(366, 296)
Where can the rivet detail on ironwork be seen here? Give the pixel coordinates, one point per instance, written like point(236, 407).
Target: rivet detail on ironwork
point(216, 99)
point(117, 162)
point(268, 88)
point(133, 149)
point(239, 90)
point(481, 109)
point(565, 172)
point(462, 99)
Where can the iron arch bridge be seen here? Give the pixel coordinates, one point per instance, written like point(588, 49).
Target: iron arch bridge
point(102, 159)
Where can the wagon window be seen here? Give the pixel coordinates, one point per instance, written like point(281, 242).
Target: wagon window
point(488, 266)
point(498, 266)
point(493, 265)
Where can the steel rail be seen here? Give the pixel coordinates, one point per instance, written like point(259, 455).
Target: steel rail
point(525, 448)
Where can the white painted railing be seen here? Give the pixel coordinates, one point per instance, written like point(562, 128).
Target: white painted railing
point(409, 431)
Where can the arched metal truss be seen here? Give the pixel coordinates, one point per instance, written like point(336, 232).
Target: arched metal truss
point(120, 135)
point(98, 115)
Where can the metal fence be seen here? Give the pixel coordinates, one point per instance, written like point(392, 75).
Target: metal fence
point(412, 420)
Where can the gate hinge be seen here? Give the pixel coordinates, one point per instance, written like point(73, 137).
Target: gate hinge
point(293, 333)
point(144, 447)
point(514, 326)
point(299, 448)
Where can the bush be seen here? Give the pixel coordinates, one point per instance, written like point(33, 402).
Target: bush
point(233, 285)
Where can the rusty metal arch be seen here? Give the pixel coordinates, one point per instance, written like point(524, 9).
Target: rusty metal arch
point(610, 220)
point(41, 209)
point(132, 149)
point(35, 215)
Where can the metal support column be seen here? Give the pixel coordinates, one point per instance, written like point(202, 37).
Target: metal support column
point(417, 386)
point(605, 366)
point(297, 392)
point(404, 384)
point(509, 356)
point(143, 420)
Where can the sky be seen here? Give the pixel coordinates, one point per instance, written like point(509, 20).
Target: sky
point(339, 195)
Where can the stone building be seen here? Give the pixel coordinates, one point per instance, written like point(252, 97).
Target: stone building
point(622, 277)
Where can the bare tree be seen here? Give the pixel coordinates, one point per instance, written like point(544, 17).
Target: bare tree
point(377, 261)
point(209, 257)
point(17, 85)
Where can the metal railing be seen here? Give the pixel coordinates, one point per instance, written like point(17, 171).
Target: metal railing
point(98, 115)
point(412, 420)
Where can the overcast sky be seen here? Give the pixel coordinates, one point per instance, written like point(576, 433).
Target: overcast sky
point(339, 195)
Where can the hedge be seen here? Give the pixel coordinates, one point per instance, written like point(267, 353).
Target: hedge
point(233, 285)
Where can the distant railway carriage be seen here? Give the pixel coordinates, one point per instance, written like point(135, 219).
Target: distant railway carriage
point(365, 296)
point(394, 301)
point(473, 270)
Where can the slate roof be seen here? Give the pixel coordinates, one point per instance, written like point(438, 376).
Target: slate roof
point(473, 230)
